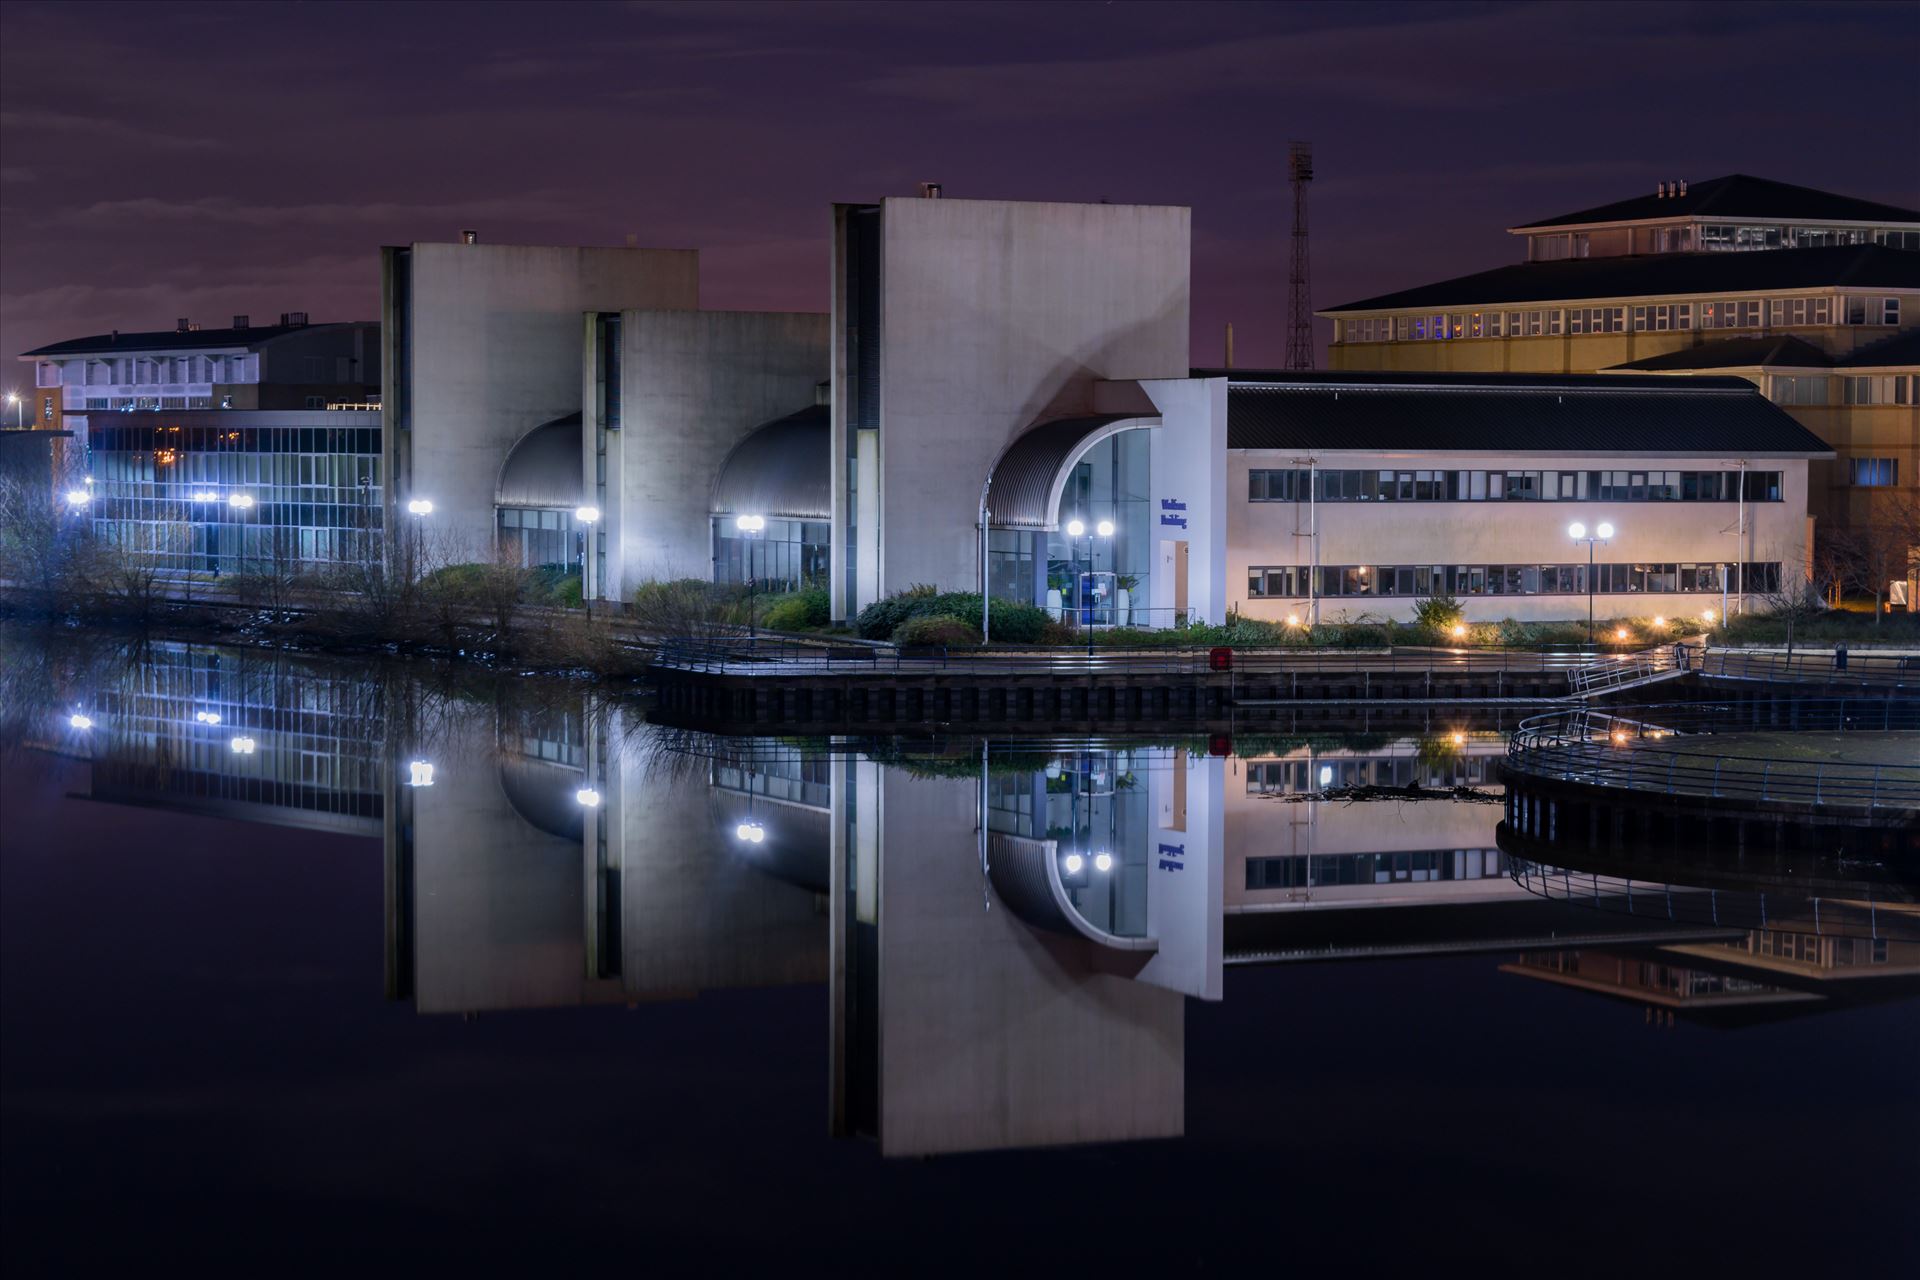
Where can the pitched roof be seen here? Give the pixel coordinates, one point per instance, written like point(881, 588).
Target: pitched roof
point(1738, 353)
point(1902, 348)
point(174, 340)
point(1661, 275)
point(1629, 414)
point(1738, 195)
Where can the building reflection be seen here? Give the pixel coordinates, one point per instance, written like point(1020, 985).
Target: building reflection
point(1006, 932)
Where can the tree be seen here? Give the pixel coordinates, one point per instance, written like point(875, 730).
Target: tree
point(1871, 555)
point(1800, 595)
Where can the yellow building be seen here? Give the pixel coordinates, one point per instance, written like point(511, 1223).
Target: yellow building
point(1814, 297)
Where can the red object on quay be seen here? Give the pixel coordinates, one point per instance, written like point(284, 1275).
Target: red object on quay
point(1220, 658)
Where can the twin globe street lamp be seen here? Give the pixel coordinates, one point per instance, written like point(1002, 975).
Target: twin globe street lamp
point(1602, 532)
point(1075, 529)
point(750, 527)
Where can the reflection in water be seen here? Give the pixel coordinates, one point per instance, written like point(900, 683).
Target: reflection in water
point(1007, 931)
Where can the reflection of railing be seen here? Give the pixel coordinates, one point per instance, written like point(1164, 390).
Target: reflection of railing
point(1644, 751)
point(1628, 668)
point(1857, 915)
point(744, 656)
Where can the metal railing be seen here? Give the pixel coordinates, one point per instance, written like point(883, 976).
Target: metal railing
point(1639, 751)
point(1823, 666)
point(1629, 668)
point(1856, 915)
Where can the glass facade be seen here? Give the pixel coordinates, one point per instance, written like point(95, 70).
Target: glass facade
point(789, 553)
point(539, 536)
point(239, 497)
point(1112, 482)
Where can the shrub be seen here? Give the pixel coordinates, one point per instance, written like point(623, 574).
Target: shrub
point(1012, 623)
point(801, 611)
point(1438, 614)
point(950, 632)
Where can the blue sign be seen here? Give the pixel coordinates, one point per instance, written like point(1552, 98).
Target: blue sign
point(1172, 504)
point(1171, 855)
point(1179, 522)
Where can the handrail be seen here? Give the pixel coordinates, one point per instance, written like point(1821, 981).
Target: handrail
point(1853, 916)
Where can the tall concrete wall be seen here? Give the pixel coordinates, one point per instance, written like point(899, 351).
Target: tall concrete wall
point(495, 334)
point(994, 313)
point(693, 384)
point(993, 1035)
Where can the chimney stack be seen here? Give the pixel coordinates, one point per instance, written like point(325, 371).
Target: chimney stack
point(1660, 192)
point(1683, 186)
point(469, 237)
point(929, 191)
point(182, 325)
point(239, 322)
point(293, 319)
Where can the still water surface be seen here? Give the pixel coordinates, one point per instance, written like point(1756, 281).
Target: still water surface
point(328, 963)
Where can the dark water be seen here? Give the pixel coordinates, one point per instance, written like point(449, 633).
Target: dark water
point(781, 1003)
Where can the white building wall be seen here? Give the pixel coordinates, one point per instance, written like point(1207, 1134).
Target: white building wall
point(693, 384)
point(993, 314)
point(1263, 534)
point(495, 335)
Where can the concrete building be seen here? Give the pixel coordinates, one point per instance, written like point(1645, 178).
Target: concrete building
point(1783, 285)
point(482, 357)
point(1358, 493)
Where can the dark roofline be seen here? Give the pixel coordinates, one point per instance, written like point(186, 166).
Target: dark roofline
point(1780, 351)
point(1658, 275)
point(1367, 379)
point(1896, 350)
point(1736, 195)
point(191, 340)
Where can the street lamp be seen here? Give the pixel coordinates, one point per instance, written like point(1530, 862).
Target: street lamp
point(585, 516)
point(19, 408)
point(1602, 532)
point(587, 797)
point(750, 527)
point(1077, 528)
point(419, 773)
point(420, 507)
point(78, 498)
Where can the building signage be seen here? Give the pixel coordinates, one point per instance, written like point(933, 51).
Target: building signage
point(1172, 512)
point(1173, 857)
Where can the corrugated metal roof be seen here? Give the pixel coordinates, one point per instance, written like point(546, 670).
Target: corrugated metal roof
point(545, 469)
point(1738, 195)
point(1020, 494)
point(784, 469)
point(1863, 266)
point(1739, 353)
point(1720, 416)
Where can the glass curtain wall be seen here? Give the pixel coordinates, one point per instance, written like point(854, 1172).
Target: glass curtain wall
point(788, 554)
point(1093, 805)
point(1106, 581)
point(540, 536)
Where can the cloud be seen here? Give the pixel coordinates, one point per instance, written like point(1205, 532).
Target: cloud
point(226, 211)
point(58, 123)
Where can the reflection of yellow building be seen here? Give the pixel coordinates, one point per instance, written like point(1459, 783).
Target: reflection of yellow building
point(1815, 297)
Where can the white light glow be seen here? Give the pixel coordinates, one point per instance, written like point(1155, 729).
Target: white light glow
point(586, 515)
point(1075, 528)
point(419, 774)
point(1326, 775)
point(1103, 862)
point(78, 497)
point(1104, 528)
point(420, 507)
point(750, 524)
point(207, 717)
point(1459, 631)
point(242, 746)
point(80, 720)
point(588, 797)
point(1576, 530)
point(751, 833)
point(240, 501)
point(1708, 616)
point(1073, 864)
point(1604, 530)
point(205, 495)
point(1293, 619)
point(1659, 621)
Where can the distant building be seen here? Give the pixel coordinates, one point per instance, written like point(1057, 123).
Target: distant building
point(1813, 297)
point(218, 451)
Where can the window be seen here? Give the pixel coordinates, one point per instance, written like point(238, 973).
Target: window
point(1875, 472)
point(1798, 389)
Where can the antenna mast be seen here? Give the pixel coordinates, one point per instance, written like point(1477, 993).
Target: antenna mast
point(1299, 291)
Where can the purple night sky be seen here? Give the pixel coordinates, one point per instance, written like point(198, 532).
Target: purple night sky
point(168, 159)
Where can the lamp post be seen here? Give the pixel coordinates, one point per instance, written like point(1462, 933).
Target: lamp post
point(750, 528)
point(419, 509)
point(586, 516)
point(1602, 532)
point(1075, 529)
point(240, 504)
point(19, 409)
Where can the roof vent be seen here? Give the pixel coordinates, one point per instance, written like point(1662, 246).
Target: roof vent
point(293, 319)
point(182, 325)
point(239, 322)
point(929, 191)
point(469, 237)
